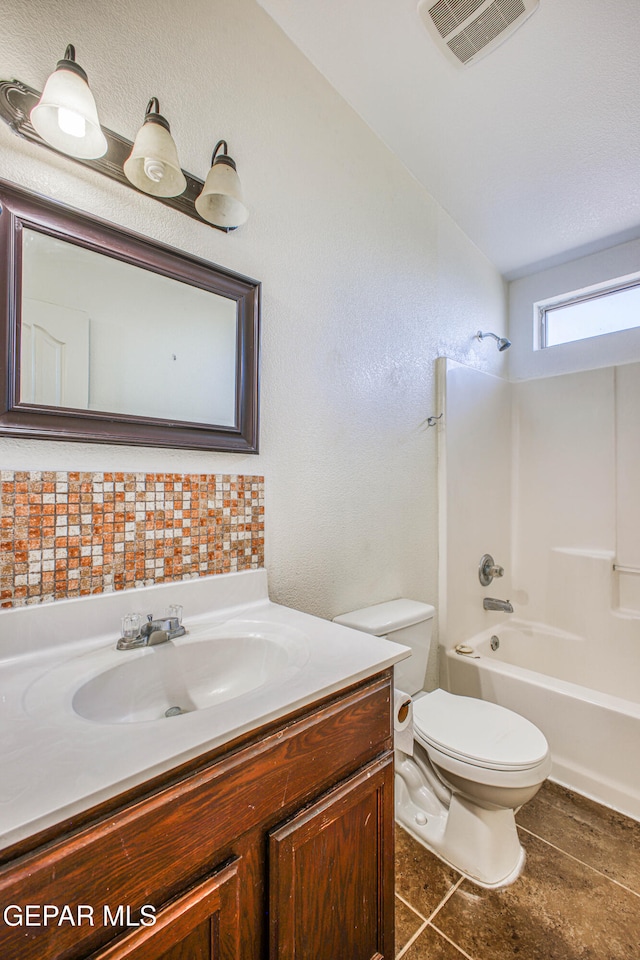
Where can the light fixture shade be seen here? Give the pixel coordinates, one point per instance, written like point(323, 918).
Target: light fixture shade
point(66, 116)
point(221, 201)
point(153, 164)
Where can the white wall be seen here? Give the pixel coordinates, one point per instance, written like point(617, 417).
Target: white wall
point(553, 466)
point(475, 450)
point(578, 455)
point(564, 484)
point(627, 446)
point(577, 512)
point(605, 351)
point(366, 280)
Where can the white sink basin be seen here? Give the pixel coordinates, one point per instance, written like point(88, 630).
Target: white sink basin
point(208, 667)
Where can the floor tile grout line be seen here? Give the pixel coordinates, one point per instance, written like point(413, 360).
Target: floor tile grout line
point(412, 940)
point(426, 923)
point(411, 907)
point(445, 899)
point(578, 860)
point(452, 942)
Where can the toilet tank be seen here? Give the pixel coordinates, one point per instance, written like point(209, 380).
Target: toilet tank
point(404, 621)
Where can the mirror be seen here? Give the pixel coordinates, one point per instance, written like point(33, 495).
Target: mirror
point(114, 338)
point(100, 334)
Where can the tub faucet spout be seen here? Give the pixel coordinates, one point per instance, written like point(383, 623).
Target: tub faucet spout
point(490, 603)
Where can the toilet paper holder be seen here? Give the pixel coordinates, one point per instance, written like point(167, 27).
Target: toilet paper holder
point(403, 710)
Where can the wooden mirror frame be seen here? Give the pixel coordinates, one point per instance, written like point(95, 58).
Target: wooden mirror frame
point(21, 209)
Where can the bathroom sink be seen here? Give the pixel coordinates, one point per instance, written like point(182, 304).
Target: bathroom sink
point(208, 667)
point(169, 679)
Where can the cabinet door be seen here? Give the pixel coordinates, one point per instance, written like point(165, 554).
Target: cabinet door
point(331, 873)
point(203, 924)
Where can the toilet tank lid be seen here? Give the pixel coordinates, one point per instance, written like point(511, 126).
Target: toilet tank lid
point(383, 618)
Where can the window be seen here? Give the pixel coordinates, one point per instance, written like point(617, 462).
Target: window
point(589, 313)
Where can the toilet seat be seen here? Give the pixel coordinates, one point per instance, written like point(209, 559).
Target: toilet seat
point(478, 733)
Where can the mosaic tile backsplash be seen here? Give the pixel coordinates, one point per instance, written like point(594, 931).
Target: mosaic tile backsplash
point(73, 534)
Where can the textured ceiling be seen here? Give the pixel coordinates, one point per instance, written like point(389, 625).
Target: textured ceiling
point(534, 150)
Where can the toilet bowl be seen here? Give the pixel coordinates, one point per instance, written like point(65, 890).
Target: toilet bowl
point(473, 764)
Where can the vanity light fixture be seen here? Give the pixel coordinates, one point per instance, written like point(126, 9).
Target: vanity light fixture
point(153, 164)
point(221, 201)
point(65, 115)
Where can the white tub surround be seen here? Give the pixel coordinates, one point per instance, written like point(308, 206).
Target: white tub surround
point(55, 763)
point(556, 679)
point(543, 474)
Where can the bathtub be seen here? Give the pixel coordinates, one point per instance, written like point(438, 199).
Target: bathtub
point(590, 717)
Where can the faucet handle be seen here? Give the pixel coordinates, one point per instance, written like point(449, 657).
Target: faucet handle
point(147, 628)
point(175, 610)
point(488, 569)
point(131, 625)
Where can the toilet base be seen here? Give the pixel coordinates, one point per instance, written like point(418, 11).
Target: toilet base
point(480, 843)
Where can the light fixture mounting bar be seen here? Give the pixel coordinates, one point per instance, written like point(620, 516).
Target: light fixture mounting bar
point(16, 103)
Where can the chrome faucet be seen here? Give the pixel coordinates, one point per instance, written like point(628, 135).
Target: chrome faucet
point(488, 569)
point(490, 603)
point(153, 632)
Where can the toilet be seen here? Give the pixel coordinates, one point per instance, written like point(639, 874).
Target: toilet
point(473, 765)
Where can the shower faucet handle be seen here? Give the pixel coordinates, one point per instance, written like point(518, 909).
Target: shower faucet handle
point(488, 569)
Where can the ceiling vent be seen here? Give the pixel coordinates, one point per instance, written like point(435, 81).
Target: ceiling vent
point(466, 30)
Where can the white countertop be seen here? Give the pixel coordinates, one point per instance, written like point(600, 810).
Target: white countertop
point(55, 763)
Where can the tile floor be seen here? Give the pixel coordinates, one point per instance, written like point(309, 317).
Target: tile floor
point(577, 899)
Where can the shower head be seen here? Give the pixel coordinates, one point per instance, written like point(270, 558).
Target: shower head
point(503, 343)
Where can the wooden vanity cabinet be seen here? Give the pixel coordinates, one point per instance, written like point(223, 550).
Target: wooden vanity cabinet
point(202, 924)
point(279, 847)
